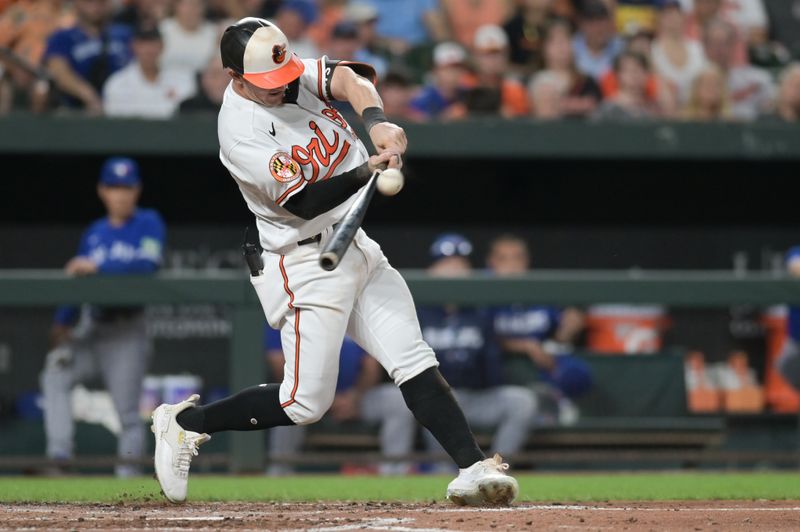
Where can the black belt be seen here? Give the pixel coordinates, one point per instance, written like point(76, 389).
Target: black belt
point(310, 240)
point(315, 238)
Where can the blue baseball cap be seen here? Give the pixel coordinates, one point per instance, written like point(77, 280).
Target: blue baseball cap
point(450, 245)
point(120, 172)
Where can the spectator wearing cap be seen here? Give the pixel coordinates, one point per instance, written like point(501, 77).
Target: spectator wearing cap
point(525, 31)
point(708, 97)
point(575, 95)
point(409, 23)
point(396, 91)
point(294, 17)
point(211, 85)
point(535, 340)
point(189, 39)
point(630, 103)
point(490, 55)
point(372, 52)
point(143, 89)
point(443, 97)
point(677, 59)
point(596, 44)
point(751, 89)
point(465, 18)
point(787, 107)
point(109, 342)
point(469, 358)
point(81, 58)
point(749, 17)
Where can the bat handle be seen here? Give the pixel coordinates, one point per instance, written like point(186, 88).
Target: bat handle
point(329, 261)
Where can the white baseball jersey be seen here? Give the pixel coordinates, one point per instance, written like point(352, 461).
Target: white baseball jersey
point(275, 152)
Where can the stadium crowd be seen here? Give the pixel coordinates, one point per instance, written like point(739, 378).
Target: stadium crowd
point(700, 60)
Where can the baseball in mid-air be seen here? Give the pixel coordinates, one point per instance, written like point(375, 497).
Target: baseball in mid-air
point(390, 182)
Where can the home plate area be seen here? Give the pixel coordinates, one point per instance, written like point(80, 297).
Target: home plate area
point(432, 517)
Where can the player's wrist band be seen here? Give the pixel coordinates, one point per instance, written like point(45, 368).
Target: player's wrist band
point(372, 116)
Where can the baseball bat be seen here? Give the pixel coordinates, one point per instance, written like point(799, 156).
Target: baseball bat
point(346, 230)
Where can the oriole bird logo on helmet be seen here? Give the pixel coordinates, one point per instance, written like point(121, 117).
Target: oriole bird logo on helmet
point(279, 53)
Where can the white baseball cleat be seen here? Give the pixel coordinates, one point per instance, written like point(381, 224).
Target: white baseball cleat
point(483, 483)
point(175, 448)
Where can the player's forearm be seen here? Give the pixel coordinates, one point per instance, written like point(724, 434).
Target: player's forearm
point(323, 196)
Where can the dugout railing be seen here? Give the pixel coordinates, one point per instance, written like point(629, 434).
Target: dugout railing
point(689, 289)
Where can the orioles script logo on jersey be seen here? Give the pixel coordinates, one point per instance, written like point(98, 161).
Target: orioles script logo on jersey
point(283, 168)
point(279, 53)
point(323, 155)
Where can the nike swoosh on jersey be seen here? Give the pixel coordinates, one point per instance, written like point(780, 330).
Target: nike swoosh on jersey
point(272, 131)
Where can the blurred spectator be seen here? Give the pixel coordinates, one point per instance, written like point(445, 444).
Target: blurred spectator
point(547, 91)
point(110, 342)
point(189, 40)
point(490, 54)
point(582, 93)
point(465, 18)
point(211, 85)
point(708, 97)
point(630, 102)
point(82, 57)
point(143, 89)
point(596, 43)
point(787, 107)
point(409, 23)
point(789, 362)
point(748, 16)
point(360, 395)
point(294, 18)
point(139, 13)
point(331, 12)
point(444, 96)
point(526, 30)
point(468, 357)
point(365, 17)
point(24, 29)
point(344, 43)
point(676, 58)
point(751, 89)
point(396, 91)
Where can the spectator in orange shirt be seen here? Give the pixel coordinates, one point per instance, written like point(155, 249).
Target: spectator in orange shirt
point(490, 52)
point(582, 93)
point(24, 29)
point(631, 102)
point(443, 97)
point(657, 91)
point(465, 18)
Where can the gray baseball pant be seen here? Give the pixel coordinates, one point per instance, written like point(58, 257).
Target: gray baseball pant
point(119, 352)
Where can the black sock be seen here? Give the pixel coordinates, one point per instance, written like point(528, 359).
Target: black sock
point(429, 397)
point(255, 408)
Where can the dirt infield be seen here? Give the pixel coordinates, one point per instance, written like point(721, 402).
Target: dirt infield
point(433, 517)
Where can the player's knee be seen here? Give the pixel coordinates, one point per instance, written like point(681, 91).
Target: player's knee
point(306, 410)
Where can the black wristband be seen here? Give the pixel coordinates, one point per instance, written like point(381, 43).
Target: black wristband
point(372, 116)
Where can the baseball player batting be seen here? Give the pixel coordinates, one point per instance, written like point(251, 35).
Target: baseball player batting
point(300, 166)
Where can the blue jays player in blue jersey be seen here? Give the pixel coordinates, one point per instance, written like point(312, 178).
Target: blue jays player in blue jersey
point(789, 361)
point(469, 358)
point(94, 340)
point(537, 332)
